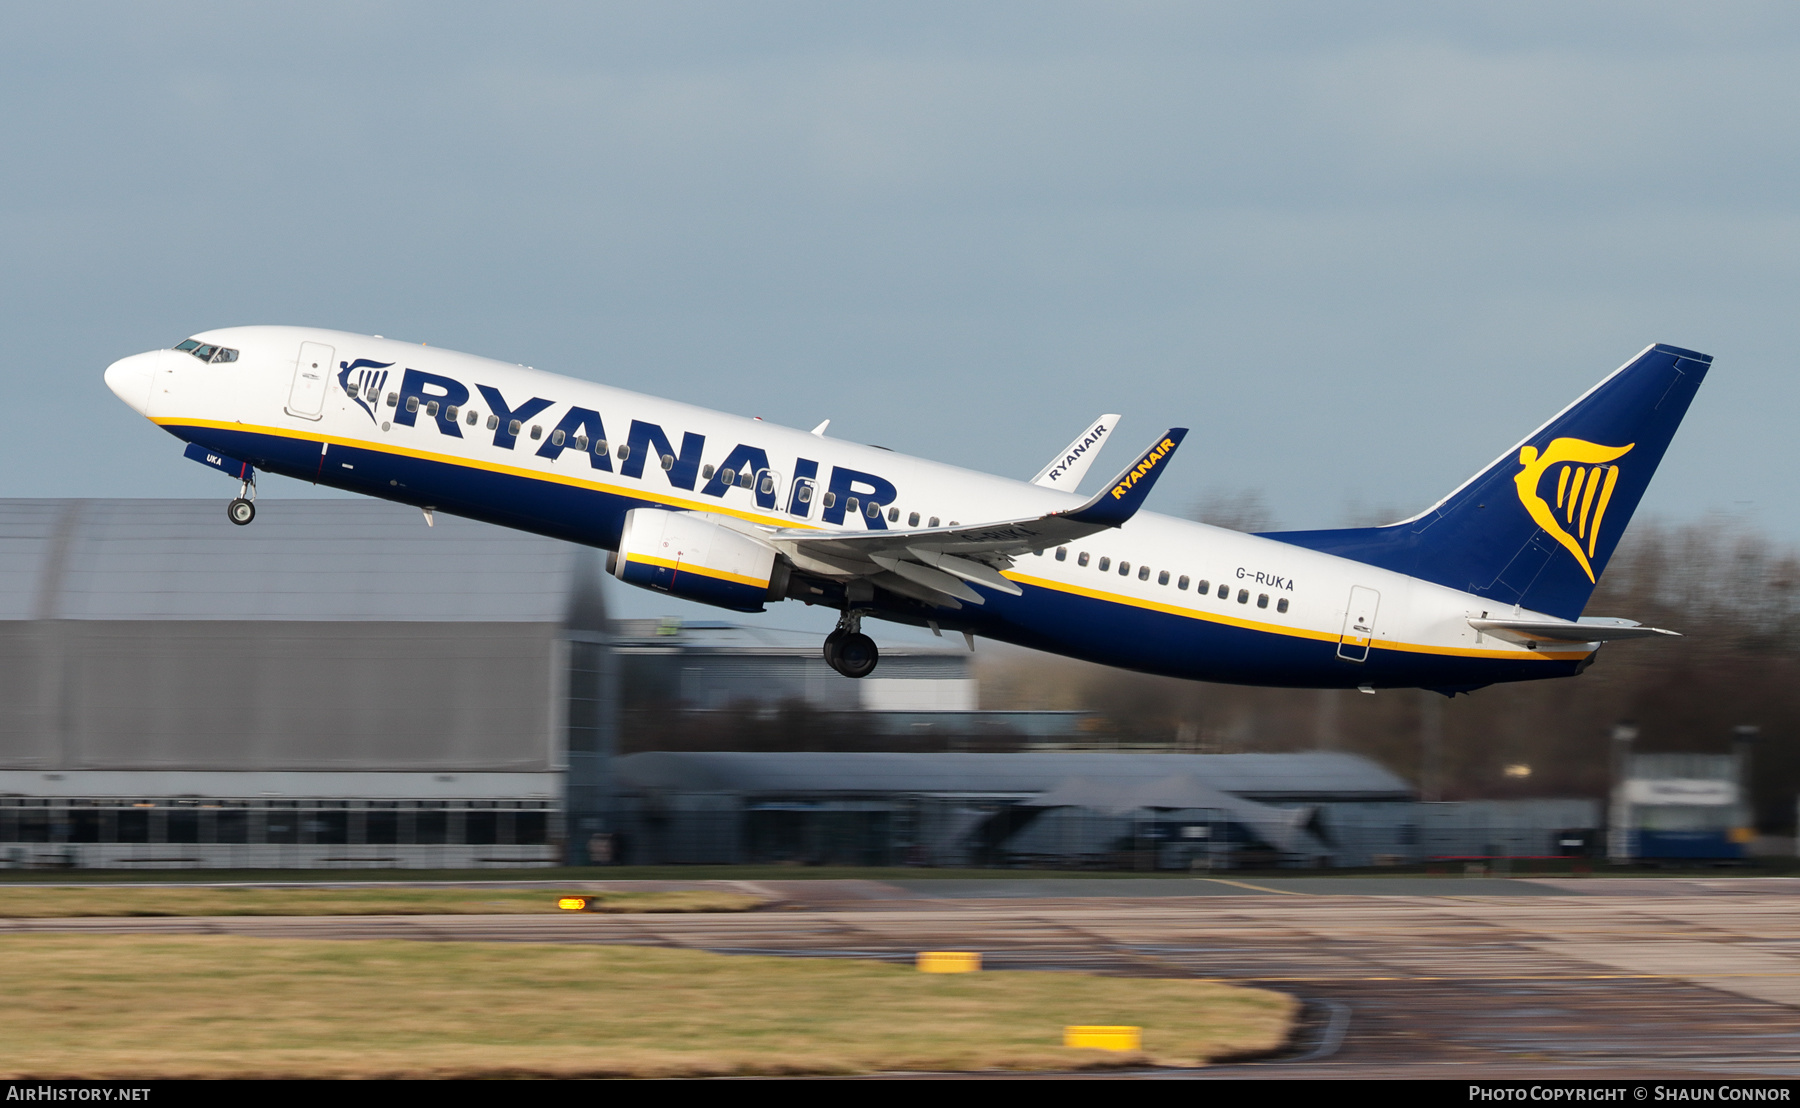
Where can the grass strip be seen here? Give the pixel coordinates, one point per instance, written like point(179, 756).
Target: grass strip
point(152, 900)
point(225, 1006)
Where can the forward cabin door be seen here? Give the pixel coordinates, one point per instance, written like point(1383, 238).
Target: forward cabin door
point(1359, 624)
point(312, 370)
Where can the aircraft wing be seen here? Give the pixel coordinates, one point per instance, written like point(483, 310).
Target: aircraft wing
point(1066, 470)
point(933, 564)
point(1586, 629)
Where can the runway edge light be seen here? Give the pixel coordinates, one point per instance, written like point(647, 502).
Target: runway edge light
point(949, 961)
point(1104, 1038)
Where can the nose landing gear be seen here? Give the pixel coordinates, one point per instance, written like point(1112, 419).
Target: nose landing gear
point(243, 509)
point(848, 650)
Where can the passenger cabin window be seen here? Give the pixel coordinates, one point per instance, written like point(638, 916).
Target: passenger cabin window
point(1062, 553)
point(1183, 583)
point(1081, 559)
point(934, 521)
point(1105, 564)
point(431, 409)
point(1144, 574)
point(471, 417)
point(556, 438)
point(893, 514)
point(1243, 596)
point(912, 520)
point(1203, 587)
point(1124, 569)
point(1163, 579)
point(706, 472)
point(1281, 605)
point(767, 486)
point(1224, 592)
point(537, 432)
point(514, 427)
point(493, 423)
point(830, 499)
point(451, 413)
point(874, 511)
point(745, 479)
point(599, 446)
point(806, 494)
point(851, 504)
point(1262, 600)
point(412, 403)
point(393, 400)
point(624, 452)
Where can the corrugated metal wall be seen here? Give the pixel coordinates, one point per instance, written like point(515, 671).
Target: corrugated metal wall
point(230, 695)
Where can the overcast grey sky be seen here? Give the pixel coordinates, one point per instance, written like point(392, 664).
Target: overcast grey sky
point(1359, 248)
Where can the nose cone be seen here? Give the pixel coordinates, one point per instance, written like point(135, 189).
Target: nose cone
point(130, 379)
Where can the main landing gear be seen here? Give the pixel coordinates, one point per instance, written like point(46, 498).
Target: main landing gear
point(242, 510)
point(848, 650)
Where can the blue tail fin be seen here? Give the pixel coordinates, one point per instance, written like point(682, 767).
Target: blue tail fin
point(1537, 527)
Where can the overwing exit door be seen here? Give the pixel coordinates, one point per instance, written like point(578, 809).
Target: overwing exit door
point(312, 370)
point(1359, 624)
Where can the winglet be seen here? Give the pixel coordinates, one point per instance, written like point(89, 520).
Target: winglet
point(1125, 494)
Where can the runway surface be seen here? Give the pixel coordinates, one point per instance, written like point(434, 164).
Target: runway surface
point(1422, 977)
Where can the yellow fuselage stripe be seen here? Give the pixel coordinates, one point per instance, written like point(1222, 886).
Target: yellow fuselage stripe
point(690, 567)
point(1278, 629)
point(790, 522)
point(709, 505)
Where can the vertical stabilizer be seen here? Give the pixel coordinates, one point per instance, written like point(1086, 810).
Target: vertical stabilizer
point(1536, 528)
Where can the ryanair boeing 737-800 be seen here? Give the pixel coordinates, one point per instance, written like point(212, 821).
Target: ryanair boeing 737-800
point(1486, 585)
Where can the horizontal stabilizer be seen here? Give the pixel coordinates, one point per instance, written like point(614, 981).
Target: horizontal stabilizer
point(1066, 470)
point(1567, 631)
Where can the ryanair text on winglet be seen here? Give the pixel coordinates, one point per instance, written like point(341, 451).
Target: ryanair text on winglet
point(1157, 453)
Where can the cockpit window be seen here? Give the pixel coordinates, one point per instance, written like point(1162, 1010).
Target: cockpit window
point(206, 352)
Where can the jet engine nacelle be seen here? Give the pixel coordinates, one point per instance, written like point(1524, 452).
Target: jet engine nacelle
point(688, 555)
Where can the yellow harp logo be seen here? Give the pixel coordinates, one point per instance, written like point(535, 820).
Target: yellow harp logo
point(1584, 486)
